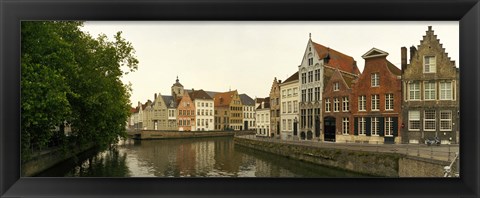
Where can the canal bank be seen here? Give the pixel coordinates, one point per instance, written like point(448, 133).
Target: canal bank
point(157, 135)
point(365, 162)
point(44, 160)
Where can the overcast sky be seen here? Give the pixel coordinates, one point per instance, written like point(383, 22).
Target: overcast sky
point(218, 56)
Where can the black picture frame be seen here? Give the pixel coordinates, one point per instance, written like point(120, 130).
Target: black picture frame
point(465, 11)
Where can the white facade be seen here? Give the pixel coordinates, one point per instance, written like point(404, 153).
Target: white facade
point(249, 116)
point(263, 121)
point(289, 109)
point(311, 87)
point(204, 115)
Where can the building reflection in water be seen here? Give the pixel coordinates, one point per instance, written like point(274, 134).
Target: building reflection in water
point(202, 157)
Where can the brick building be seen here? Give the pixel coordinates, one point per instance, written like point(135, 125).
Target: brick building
point(376, 100)
point(228, 111)
point(186, 113)
point(431, 93)
point(275, 108)
point(337, 105)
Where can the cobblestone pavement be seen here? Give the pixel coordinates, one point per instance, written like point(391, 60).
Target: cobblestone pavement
point(438, 152)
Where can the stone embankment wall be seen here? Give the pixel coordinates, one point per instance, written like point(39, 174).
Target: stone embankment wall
point(371, 163)
point(153, 134)
point(48, 159)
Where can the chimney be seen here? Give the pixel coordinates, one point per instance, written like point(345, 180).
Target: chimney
point(279, 81)
point(155, 96)
point(413, 51)
point(404, 58)
point(263, 105)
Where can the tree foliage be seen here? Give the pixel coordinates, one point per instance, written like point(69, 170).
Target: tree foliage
point(69, 77)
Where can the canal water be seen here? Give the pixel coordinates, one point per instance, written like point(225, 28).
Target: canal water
point(200, 157)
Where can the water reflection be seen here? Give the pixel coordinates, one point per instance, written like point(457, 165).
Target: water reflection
point(205, 157)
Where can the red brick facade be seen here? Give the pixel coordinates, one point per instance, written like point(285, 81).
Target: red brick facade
point(338, 88)
point(380, 79)
point(186, 113)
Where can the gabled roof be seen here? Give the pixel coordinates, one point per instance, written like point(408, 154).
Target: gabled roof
point(337, 59)
point(199, 94)
point(223, 99)
point(246, 100)
point(394, 69)
point(293, 77)
point(266, 103)
point(259, 100)
point(374, 52)
point(133, 110)
point(168, 101)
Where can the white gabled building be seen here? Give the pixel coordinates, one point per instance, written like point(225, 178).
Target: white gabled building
point(263, 118)
point(289, 110)
point(203, 110)
point(248, 112)
point(311, 83)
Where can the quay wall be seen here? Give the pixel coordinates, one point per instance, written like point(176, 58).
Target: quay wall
point(365, 162)
point(156, 134)
point(48, 159)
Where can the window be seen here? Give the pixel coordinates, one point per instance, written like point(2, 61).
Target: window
point(327, 105)
point(375, 102)
point(336, 86)
point(310, 94)
point(445, 120)
point(304, 78)
point(295, 106)
point(414, 120)
point(304, 95)
point(317, 75)
point(429, 64)
point(284, 124)
point(388, 126)
point(345, 126)
point(429, 93)
point(310, 76)
point(295, 91)
point(336, 102)
point(317, 93)
point(445, 90)
point(388, 101)
point(289, 92)
point(375, 81)
point(429, 120)
point(345, 104)
point(284, 94)
point(361, 126)
point(289, 106)
point(284, 108)
point(374, 128)
point(414, 91)
point(289, 124)
point(362, 103)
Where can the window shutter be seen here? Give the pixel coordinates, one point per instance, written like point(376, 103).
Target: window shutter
point(367, 126)
point(355, 127)
point(395, 126)
point(381, 124)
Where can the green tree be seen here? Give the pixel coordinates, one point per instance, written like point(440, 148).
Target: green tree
point(70, 77)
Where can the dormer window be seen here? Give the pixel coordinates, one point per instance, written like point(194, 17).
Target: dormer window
point(429, 64)
point(336, 86)
point(375, 80)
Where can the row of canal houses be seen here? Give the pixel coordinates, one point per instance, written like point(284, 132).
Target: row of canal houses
point(329, 99)
point(194, 110)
